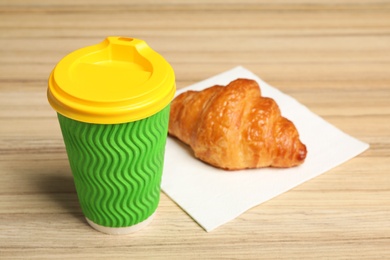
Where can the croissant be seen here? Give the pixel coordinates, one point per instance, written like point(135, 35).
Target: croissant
point(235, 128)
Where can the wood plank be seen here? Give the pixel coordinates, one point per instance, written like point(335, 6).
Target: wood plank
point(332, 56)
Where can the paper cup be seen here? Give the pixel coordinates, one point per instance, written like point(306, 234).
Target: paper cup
point(114, 129)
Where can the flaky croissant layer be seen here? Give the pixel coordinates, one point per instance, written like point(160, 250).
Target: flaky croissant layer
point(234, 127)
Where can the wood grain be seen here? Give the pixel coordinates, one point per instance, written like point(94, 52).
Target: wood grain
point(333, 56)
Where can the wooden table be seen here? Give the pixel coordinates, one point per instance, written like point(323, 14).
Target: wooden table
point(332, 56)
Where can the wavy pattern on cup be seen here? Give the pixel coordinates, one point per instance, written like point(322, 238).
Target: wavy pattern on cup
point(117, 168)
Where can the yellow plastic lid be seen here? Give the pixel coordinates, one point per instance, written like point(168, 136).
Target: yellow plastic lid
point(117, 81)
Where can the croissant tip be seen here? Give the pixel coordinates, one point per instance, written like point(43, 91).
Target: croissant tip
point(301, 156)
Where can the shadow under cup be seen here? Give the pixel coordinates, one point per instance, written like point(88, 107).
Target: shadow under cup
point(117, 169)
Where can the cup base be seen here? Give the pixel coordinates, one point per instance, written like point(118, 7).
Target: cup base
point(121, 230)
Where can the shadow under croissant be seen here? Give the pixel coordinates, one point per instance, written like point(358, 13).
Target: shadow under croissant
point(187, 149)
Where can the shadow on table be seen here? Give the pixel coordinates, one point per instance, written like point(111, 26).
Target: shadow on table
point(61, 190)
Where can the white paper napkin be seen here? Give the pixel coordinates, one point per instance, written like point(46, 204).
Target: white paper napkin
point(213, 197)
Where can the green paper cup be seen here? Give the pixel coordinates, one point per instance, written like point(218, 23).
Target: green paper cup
point(117, 169)
point(113, 101)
